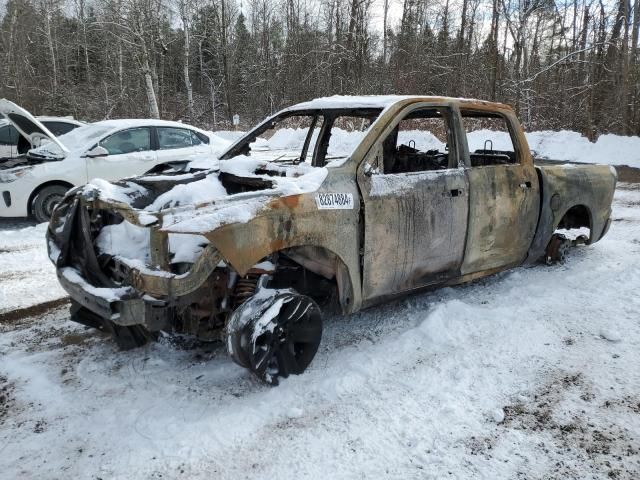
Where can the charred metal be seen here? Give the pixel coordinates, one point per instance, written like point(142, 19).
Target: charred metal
point(387, 220)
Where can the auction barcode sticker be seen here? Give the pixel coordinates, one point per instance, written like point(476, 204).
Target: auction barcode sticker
point(334, 201)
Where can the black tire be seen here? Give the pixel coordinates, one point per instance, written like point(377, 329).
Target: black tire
point(46, 200)
point(275, 344)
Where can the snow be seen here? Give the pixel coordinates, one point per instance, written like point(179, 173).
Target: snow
point(209, 218)
point(367, 101)
point(507, 377)
point(382, 185)
point(108, 294)
point(206, 190)
point(568, 146)
point(235, 208)
point(27, 276)
point(351, 101)
point(229, 135)
point(186, 248)
point(610, 335)
point(115, 193)
point(125, 240)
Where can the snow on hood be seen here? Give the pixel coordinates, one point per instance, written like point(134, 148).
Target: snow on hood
point(204, 203)
point(239, 207)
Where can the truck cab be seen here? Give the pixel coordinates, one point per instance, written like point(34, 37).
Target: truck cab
point(433, 214)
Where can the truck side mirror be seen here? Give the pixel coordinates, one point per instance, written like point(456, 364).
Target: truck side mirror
point(370, 170)
point(97, 151)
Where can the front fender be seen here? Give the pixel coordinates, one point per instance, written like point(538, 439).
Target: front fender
point(294, 221)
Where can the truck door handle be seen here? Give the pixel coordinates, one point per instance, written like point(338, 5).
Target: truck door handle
point(525, 185)
point(456, 192)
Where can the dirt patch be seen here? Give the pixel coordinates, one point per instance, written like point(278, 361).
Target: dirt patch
point(73, 339)
point(32, 311)
point(628, 174)
point(13, 276)
point(607, 448)
point(21, 248)
point(628, 402)
point(6, 397)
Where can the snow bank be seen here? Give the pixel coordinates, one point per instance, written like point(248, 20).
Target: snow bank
point(568, 146)
point(571, 146)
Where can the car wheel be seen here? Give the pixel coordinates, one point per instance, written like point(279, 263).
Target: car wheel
point(557, 249)
point(275, 335)
point(46, 200)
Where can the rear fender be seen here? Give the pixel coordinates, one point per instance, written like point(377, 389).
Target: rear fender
point(564, 187)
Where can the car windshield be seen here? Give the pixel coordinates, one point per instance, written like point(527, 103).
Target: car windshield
point(313, 137)
point(78, 138)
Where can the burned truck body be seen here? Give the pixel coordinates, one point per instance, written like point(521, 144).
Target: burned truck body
point(341, 202)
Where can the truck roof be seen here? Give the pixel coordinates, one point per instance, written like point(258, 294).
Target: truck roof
point(384, 101)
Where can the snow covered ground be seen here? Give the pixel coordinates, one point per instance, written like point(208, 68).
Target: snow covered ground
point(27, 276)
point(529, 374)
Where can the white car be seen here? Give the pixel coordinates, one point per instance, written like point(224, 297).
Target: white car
point(111, 150)
point(12, 144)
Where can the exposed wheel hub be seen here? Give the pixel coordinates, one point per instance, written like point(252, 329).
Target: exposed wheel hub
point(275, 335)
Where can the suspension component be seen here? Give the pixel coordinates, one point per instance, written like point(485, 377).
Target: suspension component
point(246, 286)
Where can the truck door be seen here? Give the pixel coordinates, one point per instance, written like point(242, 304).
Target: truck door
point(415, 200)
point(503, 191)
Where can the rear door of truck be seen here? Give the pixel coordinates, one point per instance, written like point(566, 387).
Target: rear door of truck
point(504, 195)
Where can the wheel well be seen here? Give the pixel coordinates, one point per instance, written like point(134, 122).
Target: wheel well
point(33, 195)
point(577, 216)
point(321, 273)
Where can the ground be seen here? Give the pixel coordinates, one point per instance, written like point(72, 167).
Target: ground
point(530, 374)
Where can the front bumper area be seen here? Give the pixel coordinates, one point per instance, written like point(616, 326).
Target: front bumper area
point(143, 296)
point(122, 306)
point(13, 200)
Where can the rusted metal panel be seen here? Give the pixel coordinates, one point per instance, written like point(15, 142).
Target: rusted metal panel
point(296, 221)
point(503, 213)
point(163, 284)
point(415, 227)
point(567, 186)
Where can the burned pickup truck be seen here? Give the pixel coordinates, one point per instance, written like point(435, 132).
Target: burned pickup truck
point(340, 202)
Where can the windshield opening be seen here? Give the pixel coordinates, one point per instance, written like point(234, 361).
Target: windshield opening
point(290, 139)
point(314, 137)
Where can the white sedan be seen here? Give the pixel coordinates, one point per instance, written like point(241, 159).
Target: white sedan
point(111, 149)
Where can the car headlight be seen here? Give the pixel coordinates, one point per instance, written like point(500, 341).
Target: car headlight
point(12, 176)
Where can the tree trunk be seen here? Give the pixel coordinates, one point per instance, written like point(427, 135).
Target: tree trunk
point(187, 81)
point(52, 51)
